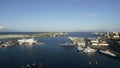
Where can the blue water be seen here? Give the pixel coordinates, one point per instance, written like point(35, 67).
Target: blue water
point(54, 56)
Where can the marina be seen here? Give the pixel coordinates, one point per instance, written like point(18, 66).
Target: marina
point(82, 52)
point(59, 33)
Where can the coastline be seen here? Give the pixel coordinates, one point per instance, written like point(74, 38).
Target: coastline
point(13, 36)
point(32, 35)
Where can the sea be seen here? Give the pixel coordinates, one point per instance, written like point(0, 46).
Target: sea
point(52, 55)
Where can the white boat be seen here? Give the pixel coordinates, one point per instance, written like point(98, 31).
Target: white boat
point(89, 50)
point(107, 53)
point(81, 44)
point(21, 41)
point(66, 44)
point(79, 48)
point(24, 40)
point(31, 40)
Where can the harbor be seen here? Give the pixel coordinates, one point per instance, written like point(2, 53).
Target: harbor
point(102, 43)
point(59, 34)
point(72, 47)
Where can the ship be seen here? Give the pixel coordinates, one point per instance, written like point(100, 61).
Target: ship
point(107, 52)
point(28, 41)
point(88, 49)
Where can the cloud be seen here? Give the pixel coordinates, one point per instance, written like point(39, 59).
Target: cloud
point(1, 27)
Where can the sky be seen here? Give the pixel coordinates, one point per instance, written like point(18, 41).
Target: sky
point(59, 15)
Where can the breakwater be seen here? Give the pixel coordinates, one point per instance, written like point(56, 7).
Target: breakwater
point(32, 35)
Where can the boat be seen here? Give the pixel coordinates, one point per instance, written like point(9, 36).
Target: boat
point(29, 41)
point(79, 48)
point(7, 43)
point(107, 52)
point(81, 44)
point(21, 41)
point(88, 49)
point(66, 44)
point(97, 42)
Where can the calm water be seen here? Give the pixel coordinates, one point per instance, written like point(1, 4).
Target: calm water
point(53, 56)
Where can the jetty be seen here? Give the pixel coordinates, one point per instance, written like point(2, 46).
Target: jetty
point(47, 34)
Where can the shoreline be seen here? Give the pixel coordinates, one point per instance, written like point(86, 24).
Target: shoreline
point(32, 35)
point(13, 36)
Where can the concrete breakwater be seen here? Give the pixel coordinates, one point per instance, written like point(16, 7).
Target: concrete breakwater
point(13, 36)
point(32, 35)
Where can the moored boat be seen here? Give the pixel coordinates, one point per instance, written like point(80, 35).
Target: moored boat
point(7, 43)
point(29, 41)
point(107, 52)
point(66, 44)
point(79, 48)
point(89, 50)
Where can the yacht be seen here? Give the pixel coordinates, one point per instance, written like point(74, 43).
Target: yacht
point(21, 41)
point(107, 52)
point(88, 49)
point(30, 41)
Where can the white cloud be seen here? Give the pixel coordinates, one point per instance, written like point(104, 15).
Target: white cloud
point(1, 27)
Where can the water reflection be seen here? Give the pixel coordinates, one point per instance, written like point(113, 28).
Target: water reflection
point(93, 63)
point(90, 53)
